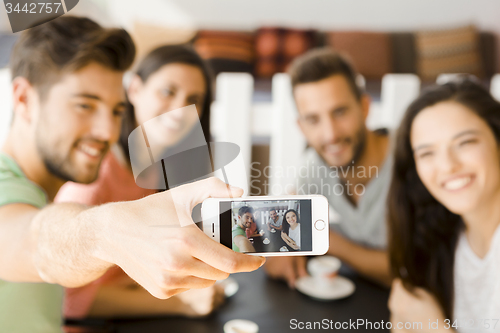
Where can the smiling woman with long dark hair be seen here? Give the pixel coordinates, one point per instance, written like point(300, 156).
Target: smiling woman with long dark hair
point(291, 229)
point(444, 210)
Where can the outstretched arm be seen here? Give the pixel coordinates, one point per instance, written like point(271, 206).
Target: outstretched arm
point(59, 237)
point(243, 244)
point(372, 263)
point(154, 240)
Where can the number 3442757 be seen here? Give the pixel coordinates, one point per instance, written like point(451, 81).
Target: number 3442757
point(34, 8)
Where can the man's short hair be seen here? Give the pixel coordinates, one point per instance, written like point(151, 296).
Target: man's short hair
point(321, 63)
point(45, 52)
point(274, 210)
point(245, 209)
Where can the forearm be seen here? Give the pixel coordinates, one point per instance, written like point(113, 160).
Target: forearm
point(133, 301)
point(66, 238)
point(244, 245)
point(371, 263)
point(121, 301)
point(288, 240)
point(17, 245)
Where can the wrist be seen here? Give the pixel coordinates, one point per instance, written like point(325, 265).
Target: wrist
point(98, 223)
point(338, 246)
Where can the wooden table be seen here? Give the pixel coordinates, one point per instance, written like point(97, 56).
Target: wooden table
point(272, 305)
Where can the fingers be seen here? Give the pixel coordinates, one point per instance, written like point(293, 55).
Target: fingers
point(223, 258)
point(219, 296)
point(291, 276)
point(194, 193)
point(174, 292)
point(204, 271)
point(298, 269)
point(172, 283)
point(301, 263)
point(396, 283)
point(181, 281)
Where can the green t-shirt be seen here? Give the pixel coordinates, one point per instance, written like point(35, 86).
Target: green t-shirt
point(237, 231)
point(26, 307)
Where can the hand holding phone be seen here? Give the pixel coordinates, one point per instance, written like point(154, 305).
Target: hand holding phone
point(300, 224)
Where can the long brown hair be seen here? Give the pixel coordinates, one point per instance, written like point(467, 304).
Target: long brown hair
point(156, 59)
point(423, 233)
point(286, 226)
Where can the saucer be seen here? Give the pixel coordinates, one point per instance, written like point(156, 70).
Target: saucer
point(230, 286)
point(240, 326)
point(340, 287)
point(273, 230)
point(266, 241)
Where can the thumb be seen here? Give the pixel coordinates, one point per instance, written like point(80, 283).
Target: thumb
point(301, 266)
point(192, 194)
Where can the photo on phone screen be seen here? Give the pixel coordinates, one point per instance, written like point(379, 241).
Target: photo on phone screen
point(266, 226)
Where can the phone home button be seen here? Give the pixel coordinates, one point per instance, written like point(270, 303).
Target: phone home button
point(320, 225)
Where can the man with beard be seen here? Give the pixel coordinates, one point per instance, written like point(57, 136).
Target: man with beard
point(240, 240)
point(275, 220)
point(345, 162)
point(68, 104)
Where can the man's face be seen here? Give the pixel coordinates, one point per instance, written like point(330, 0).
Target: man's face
point(246, 220)
point(332, 119)
point(78, 120)
point(274, 215)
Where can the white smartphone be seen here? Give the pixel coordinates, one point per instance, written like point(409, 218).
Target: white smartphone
point(269, 226)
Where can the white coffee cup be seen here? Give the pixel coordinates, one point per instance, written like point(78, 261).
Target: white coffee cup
point(241, 326)
point(322, 268)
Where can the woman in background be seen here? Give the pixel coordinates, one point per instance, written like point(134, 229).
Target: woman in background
point(168, 78)
point(444, 212)
point(291, 229)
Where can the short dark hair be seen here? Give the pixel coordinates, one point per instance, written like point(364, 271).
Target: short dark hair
point(321, 63)
point(273, 209)
point(45, 52)
point(245, 209)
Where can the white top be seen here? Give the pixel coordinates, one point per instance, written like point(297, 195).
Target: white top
point(295, 234)
point(477, 287)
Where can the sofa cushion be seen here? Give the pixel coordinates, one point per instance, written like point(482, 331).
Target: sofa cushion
point(448, 51)
point(277, 47)
point(229, 51)
point(403, 52)
point(488, 51)
point(370, 52)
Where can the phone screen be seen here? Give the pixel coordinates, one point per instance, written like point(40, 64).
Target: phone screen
point(266, 226)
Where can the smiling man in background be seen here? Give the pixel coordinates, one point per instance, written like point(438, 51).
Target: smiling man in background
point(332, 115)
point(275, 220)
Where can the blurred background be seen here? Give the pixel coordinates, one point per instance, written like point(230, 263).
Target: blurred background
point(397, 46)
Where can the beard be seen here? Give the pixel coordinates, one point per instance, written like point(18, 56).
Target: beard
point(60, 164)
point(359, 145)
